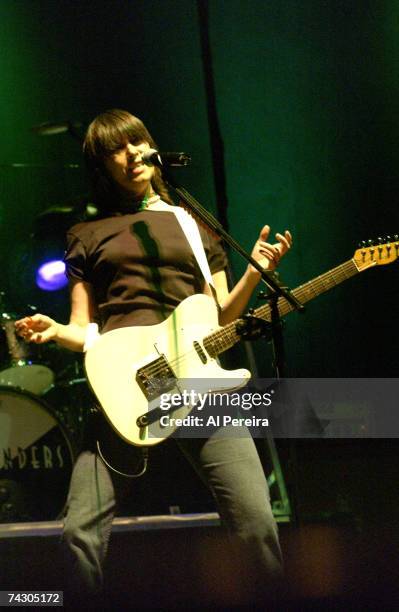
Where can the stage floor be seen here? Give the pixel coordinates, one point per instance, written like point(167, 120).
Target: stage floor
point(120, 524)
point(169, 562)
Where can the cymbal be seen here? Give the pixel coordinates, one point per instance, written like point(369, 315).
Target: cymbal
point(62, 216)
point(56, 210)
point(50, 166)
point(53, 128)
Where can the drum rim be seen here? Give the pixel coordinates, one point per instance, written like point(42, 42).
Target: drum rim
point(22, 368)
point(21, 363)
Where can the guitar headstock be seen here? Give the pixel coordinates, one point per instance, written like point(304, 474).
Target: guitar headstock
point(377, 253)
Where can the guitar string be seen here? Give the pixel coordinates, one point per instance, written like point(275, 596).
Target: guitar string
point(228, 334)
point(225, 333)
point(318, 285)
point(342, 272)
point(302, 291)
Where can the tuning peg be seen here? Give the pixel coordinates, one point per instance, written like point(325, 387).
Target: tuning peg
point(396, 237)
point(370, 243)
point(388, 238)
point(380, 240)
point(362, 244)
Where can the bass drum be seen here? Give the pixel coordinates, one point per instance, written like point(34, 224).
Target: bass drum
point(22, 365)
point(36, 459)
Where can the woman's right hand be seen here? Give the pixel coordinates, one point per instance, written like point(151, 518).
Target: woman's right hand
point(38, 328)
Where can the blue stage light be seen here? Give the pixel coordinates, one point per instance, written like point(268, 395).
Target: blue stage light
point(51, 275)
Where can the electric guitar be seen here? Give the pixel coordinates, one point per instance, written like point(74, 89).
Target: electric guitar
point(132, 369)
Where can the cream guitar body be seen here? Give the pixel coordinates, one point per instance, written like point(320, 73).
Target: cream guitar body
point(130, 368)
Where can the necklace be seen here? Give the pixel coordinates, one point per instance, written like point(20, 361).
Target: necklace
point(148, 200)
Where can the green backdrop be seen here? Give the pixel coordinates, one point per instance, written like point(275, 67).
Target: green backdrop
point(307, 98)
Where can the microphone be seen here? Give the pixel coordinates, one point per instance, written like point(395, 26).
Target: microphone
point(160, 159)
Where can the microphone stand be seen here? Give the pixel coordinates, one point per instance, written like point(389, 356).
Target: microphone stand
point(282, 507)
point(269, 278)
point(275, 291)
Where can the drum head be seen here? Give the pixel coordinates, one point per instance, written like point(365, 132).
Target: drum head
point(31, 377)
point(36, 459)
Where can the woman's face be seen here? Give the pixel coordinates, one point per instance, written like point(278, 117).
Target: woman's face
point(125, 166)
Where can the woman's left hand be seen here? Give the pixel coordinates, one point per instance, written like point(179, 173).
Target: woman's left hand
point(269, 255)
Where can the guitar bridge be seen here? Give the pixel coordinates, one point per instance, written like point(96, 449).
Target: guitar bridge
point(155, 378)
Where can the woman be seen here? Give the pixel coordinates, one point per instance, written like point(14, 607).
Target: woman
point(132, 266)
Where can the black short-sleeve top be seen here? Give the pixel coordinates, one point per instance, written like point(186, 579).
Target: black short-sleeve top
point(140, 265)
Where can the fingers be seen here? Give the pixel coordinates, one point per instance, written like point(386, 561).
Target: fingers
point(41, 337)
point(34, 337)
point(37, 328)
point(264, 233)
point(36, 322)
point(23, 326)
point(270, 251)
point(287, 236)
point(285, 241)
point(269, 255)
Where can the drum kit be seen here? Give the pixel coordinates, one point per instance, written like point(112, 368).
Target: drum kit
point(44, 399)
point(44, 405)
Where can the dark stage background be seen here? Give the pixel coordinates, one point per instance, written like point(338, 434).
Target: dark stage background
point(306, 97)
point(306, 94)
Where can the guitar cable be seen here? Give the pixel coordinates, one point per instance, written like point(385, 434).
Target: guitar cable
point(144, 451)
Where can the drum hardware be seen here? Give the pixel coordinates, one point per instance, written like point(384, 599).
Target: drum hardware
point(69, 366)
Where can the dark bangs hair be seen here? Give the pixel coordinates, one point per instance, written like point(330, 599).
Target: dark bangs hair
point(105, 134)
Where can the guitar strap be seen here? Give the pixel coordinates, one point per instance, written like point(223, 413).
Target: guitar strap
point(191, 232)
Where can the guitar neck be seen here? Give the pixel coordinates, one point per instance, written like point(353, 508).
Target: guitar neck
point(224, 338)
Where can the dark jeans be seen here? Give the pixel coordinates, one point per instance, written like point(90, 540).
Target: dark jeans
point(232, 469)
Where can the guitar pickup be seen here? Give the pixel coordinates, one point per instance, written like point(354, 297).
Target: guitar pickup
point(155, 378)
point(200, 352)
